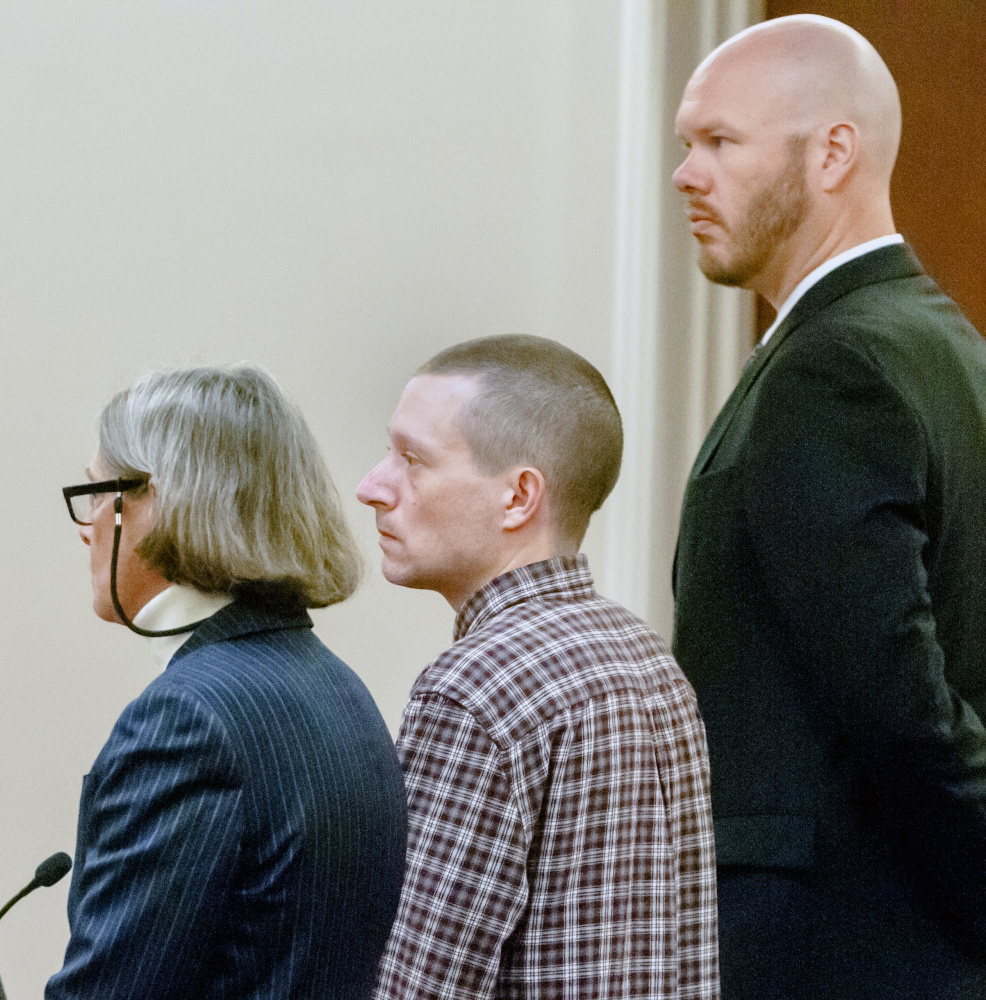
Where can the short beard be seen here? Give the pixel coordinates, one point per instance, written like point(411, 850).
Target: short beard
point(772, 216)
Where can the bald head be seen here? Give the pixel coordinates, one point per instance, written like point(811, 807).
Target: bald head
point(814, 71)
point(792, 129)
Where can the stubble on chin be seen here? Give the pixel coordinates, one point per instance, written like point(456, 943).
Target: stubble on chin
point(717, 270)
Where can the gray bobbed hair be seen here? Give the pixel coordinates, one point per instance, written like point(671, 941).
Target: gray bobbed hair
point(244, 504)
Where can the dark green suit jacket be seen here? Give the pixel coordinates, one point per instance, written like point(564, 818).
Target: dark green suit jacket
point(830, 588)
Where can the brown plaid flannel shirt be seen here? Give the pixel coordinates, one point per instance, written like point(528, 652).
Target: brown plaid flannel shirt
point(560, 828)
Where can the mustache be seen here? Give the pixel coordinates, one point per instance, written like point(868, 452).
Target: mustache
point(700, 211)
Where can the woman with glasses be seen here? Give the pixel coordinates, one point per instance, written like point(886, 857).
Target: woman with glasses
point(242, 832)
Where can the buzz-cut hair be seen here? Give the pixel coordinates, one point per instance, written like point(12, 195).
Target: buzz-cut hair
point(244, 503)
point(543, 405)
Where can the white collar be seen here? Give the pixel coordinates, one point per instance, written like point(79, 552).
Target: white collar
point(826, 268)
point(177, 605)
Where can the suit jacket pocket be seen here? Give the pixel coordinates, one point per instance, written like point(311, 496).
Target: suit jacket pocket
point(85, 808)
point(766, 841)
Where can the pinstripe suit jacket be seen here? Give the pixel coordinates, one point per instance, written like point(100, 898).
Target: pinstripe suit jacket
point(242, 832)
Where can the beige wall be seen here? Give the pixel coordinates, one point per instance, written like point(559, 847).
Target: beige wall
point(335, 190)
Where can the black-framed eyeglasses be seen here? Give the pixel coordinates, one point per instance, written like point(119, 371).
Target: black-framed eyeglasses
point(81, 500)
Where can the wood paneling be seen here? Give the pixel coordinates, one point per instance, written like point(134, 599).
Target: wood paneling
point(936, 50)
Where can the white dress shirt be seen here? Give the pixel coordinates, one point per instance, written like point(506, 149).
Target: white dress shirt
point(826, 268)
point(177, 605)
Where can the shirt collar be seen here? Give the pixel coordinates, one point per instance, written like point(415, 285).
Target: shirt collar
point(561, 577)
point(177, 605)
point(826, 268)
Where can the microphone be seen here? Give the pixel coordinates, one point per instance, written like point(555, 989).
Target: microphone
point(52, 869)
point(47, 873)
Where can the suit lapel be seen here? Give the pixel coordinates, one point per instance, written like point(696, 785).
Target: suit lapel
point(887, 263)
point(756, 364)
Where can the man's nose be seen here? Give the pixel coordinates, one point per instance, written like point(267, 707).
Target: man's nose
point(372, 490)
point(85, 533)
point(686, 177)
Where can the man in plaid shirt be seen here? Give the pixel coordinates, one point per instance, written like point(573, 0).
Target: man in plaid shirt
point(560, 841)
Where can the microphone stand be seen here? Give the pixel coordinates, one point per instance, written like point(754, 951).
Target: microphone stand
point(47, 873)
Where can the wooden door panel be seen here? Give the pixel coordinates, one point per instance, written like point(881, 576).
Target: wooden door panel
point(937, 54)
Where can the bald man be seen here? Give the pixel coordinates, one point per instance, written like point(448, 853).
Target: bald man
point(830, 580)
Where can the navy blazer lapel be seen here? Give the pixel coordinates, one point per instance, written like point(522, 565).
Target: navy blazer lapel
point(885, 264)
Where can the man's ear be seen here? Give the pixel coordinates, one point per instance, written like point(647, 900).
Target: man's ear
point(840, 154)
point(524, 496)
